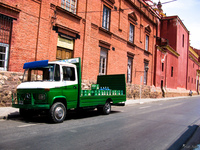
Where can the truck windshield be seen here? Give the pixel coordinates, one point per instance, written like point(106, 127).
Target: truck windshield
point(49, 73)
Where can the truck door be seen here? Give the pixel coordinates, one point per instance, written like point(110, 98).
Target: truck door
point(70, 90)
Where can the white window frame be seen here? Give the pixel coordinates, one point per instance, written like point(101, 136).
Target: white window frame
point(103, 61)
point(70, 5)
point(131, 33)
point(145, 73)
point(4, 68)
point(147, 43)
point(106, 18)
point(129, 69)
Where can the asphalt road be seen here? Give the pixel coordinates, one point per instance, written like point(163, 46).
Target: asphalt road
point(153, 126)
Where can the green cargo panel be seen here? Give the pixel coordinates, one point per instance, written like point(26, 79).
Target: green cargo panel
point(114, 82)
point(87, 101)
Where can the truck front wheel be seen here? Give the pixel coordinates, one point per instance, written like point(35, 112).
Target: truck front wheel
point(57, 112)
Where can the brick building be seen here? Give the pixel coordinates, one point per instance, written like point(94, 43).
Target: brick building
point(111, 37)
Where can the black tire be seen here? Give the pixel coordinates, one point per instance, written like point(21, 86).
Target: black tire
point(26, 113)
point(57, 113)
point(107, 108)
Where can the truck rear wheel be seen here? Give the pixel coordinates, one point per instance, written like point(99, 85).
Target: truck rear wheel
point(57, 112)
point(106, 109)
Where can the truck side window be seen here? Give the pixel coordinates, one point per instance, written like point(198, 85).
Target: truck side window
point(68, 73)
point(46, 74)
point(57, 73)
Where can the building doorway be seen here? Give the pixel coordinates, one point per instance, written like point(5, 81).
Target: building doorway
point(65, 48)
point(63, 53)
point(162, 89)
point(198, 87)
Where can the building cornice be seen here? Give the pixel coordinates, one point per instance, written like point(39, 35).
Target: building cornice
point(169, 48)
point(193, 52)
point(192, 58)
point(178, 19)
point(161, 49)
point(9, 11)
point(142, 12)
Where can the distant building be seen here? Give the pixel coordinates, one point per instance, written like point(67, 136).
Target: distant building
point(193, 75)
point(172, 57)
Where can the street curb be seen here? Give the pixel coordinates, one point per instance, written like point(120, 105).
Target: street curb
point(8, 112)
point(9, 116)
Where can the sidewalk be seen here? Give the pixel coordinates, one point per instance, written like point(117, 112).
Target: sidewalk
point(150, 100)
point(9, 112)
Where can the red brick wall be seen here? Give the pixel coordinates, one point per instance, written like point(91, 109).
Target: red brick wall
point(33, 37)
point(117, 59)
point(24, 34)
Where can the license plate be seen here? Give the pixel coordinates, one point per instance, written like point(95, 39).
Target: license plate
point(21, 102)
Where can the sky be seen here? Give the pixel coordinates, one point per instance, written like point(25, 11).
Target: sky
point(189, 12)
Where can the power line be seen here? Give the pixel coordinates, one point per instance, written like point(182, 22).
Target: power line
point(102, 11)
point(169, 2)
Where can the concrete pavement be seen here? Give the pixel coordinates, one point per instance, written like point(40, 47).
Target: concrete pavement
point(9, 112)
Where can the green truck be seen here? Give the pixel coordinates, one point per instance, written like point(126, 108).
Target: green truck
point(55, 87)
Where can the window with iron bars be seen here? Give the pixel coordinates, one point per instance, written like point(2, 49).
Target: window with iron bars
point(69, 5)
point(5, 33)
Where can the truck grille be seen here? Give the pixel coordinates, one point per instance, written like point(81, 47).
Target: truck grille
point(27, 98)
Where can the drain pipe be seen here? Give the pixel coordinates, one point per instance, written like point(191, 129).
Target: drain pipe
point(84, 37)
point(38, 30)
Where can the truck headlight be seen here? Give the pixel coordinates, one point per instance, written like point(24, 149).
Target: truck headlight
point(42, 96)
point(27, 96)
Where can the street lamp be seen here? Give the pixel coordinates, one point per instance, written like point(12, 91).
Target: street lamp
point(146, 68)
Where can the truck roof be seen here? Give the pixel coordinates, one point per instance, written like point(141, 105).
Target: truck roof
point(35, 64)
point(62, 63)
point(44, 63)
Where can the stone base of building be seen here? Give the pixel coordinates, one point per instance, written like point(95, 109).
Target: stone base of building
point(8, 84)
point(134, 91)
point(178, 92)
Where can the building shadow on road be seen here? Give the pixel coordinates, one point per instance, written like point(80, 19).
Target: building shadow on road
point(182, 140)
